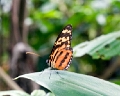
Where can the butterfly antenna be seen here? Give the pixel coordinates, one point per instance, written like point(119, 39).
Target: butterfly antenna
point(32, 53)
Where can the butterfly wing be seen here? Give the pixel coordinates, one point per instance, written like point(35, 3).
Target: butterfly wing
point(61, 54)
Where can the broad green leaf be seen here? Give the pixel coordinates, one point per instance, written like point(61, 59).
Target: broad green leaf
point(64, 83)
point(103, 47)
point(13, 93)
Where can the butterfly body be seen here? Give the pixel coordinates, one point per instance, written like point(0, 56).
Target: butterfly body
point(61, 54)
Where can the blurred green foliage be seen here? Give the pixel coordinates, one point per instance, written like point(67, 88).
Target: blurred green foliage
point(88, 20)
point(104, 47)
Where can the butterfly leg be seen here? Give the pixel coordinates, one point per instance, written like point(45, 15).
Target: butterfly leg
point(41, 72)
point(59, 74)
point(50, 75)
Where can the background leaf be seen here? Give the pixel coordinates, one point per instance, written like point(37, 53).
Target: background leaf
point(13, 93)
point(21, 93)
point(38, 93)
point(41, 93)
point(103, 47)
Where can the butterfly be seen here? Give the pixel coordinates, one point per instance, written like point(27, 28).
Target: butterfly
point(62, 53)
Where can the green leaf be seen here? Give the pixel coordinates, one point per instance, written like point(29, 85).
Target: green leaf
point(38, 93)
point(21, 93)
point(13, 93)
point(41, 93)
point(64, 83)
point(105, 47)
point(116, 81)
point(50, 94)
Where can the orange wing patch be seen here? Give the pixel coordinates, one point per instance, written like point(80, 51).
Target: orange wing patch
point(61, 54)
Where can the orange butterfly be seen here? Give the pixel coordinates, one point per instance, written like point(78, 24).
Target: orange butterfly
point(61, 54)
